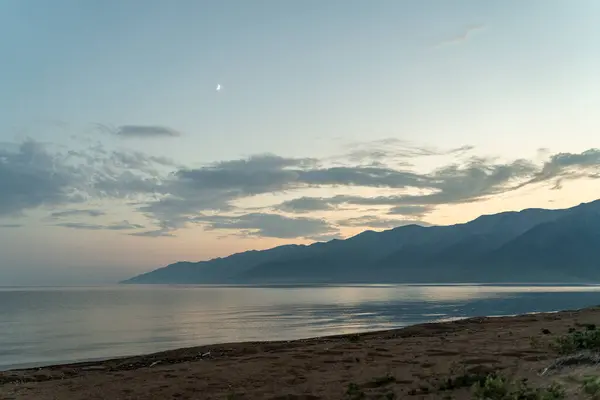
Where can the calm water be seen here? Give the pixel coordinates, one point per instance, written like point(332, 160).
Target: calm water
point(49, 325)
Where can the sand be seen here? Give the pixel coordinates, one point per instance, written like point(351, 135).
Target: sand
point(413, 363)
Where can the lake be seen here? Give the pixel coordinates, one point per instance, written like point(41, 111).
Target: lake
point(40, 326)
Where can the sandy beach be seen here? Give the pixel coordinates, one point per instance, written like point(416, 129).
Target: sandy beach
point(427, 361)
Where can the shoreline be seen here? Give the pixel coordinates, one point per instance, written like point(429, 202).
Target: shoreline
point(414, 359)
point(55, 364)
point(50, 365)
point(33, 366)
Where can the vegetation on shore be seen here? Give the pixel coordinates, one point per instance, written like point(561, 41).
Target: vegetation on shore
point(576, 347)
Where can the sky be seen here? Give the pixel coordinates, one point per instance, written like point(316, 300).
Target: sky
point(119, 155)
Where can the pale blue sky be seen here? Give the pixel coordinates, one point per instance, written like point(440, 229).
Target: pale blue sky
point(300, 79)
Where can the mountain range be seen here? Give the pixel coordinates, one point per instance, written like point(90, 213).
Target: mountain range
point(533, 245)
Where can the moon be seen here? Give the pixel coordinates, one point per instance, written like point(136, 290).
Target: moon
point(218, 87)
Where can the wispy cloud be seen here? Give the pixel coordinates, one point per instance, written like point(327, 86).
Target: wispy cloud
point(138, 131)
point(268, 225)
point(375, 221)
point(395, 150)
point(77, 213)
point(565, 166)
point(418, 211)
point(309, 204)
point(306, 204)
point(153, 234)
point(462, 37)
point(119, 226)
point(10, 225)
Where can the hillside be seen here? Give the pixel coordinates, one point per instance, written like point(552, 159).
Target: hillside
point(530, 245)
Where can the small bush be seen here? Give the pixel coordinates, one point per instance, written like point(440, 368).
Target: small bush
point(383, 380)
point(494, 387)
point(354, 392)
point(579, 340)
point(591, 387)
point(465, 380)
point(498, 388)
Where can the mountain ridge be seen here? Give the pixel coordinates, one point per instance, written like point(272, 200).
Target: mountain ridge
point(529, 245)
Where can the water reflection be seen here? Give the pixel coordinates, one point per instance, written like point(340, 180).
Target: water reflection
point(64, 324)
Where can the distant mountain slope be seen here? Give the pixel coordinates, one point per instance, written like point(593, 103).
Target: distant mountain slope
point(569, 245)
point(531, 245)
point(218, 270)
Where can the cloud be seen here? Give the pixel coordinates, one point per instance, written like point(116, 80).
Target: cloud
point(463, 37)
point(173, 197)
point(326, 237)
point(377, 222)
point(138, 131)
point(125, 184)
point(361, 176)
point(565, 166)
point(120, 226)
point(123, 225)
point(77, 213)
point(10, 225)
point(400, 151)
point(139, 161)
point(410, 210)
point(268, 225)
point(478, 179)
point(255, 175)
point(80, 225)
point(31, 177)
point(214, 187)
point(308, 204)
point(305, 205)
point(120, 174)
point(189, 192)
point(153, 234)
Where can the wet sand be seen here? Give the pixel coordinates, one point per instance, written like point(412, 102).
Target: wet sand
point(416, 362)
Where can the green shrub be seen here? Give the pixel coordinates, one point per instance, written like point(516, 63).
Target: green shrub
point(498, 388)
point(354, 392)
point(492, 388)
point(591, 387)
point(464, 380)
point(579, 340)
